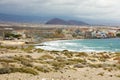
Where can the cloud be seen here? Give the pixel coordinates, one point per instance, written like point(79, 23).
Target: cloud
point(93, 9)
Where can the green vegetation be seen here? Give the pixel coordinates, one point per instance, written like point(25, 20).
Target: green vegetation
point(118, 34)
point(11, 35)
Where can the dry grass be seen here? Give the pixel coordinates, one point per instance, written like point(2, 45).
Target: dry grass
point(24, 61)
point(101, 74)
point(118, 75)
point(44, 69)
point(7, 60)
point(67, 53)
point(21, 70)
point(38, 50)
point(47, 56)
point(57, 65)
point(81, 54)
point(95, 65)
point(28, 49)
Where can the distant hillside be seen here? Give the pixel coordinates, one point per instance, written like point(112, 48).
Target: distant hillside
point(58, 21)
point(19, 18)
point(37, 19)
point(74, 22)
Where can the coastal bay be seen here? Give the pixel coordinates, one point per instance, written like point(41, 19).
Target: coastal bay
point(83, 45)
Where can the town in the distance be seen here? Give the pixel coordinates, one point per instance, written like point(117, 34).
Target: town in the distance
point(55, 29)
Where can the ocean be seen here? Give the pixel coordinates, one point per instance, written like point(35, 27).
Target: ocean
point(83, 45)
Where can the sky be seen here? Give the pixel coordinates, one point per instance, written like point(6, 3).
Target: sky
point(98, 10)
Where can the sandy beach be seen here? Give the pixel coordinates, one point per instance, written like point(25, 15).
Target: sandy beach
point(37, 64)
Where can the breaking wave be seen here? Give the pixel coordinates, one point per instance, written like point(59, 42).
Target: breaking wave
point(89, 45)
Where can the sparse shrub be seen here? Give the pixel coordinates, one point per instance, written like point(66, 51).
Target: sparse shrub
point(118, 67)
point(28, 49)
point(21, 70)
point(11, 47)
point(109, 69)
point(2, 46)
point(47, 56)
point(72, 61)
point(118, 75)
point(117, 54)
point(7, 60)
point(58, 65)
point(118, 34)
point(53, 51)
point(67, 53)
point(24, 70)
point(77, 60)
point(60, 59)
point(81, 54)
point(78, 66)
point(28, 56)
point(101, 74)
point(38, 50)
point(103, 57)
point(5, 70)
point(116, 58)
point(95, 65)
point(24, 61)
point(27, 63)
point(44, 69)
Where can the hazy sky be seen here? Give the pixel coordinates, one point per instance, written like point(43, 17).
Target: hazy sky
point(90, 9)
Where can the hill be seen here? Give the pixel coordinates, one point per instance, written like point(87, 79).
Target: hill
point(57, 21)
point(74, 22)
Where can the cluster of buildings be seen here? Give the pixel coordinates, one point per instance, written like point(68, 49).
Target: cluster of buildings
point(36, 34)
point(91, 32)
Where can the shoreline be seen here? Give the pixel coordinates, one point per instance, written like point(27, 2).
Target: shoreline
point(41, 45)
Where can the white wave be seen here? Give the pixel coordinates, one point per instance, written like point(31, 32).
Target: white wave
point(74, 46)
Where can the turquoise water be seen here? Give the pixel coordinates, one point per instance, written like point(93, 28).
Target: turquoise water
point(85, 45)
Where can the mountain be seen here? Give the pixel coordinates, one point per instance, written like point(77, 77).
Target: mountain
point(74, 22)
point(58, 21)
point(21, 18)
point(38, 19)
